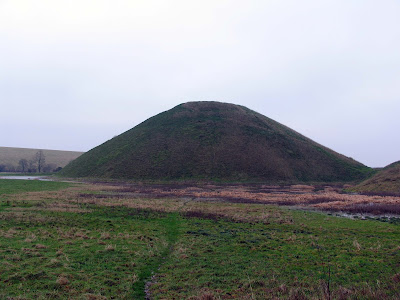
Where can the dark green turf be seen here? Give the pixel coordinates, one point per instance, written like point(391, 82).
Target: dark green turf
point(12, 186)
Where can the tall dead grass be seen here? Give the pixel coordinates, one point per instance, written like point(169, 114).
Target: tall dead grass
point(215, 201)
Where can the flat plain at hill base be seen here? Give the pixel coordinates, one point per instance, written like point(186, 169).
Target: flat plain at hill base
point(324, 198)
point(129, 241)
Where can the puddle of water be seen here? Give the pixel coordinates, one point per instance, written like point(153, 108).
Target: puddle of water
point(41, 178)
point(348, 215)
point(365, 216)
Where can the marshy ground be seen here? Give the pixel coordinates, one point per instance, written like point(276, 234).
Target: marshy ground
point(136, 241)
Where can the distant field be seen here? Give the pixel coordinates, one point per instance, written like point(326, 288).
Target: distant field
point(100, 241)
point(9, 155)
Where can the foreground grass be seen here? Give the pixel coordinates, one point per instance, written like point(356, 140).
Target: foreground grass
point(68, 245)
point(104, 252)
point(314, 257)
point(12, 186)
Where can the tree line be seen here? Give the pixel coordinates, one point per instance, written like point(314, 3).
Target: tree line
point(37, 164)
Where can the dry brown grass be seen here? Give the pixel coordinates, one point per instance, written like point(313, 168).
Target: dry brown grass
point(25, 217)
point(62, 280)
point(109, 247)
point(95, 297)
point(226, 200)
point(211, 201)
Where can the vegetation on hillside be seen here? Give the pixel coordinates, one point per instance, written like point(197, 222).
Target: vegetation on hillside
point(214, 141)
point(386, 181)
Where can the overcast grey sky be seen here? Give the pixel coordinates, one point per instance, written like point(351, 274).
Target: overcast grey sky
point(74, 73)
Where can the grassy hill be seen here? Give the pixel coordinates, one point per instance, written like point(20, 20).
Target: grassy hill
point(11, 156)
point(386, 180)
point(216, 141)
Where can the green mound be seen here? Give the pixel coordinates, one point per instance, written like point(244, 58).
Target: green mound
point(386, 180)
point(214, 141)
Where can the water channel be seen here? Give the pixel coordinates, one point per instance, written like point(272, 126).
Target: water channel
point(41, 178)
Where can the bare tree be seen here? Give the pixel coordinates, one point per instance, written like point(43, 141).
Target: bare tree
point(32, 166)
point(23, 163)
point(49, 168)
point(40, 160)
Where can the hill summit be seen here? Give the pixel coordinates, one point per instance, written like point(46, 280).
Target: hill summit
point(214, 141)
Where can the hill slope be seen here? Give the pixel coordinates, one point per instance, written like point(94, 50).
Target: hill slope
point(385, 181)
point(11, 156)
point(212, 140)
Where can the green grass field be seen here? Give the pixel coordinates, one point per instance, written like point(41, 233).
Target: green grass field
point(83, 242)
point(12, 186)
